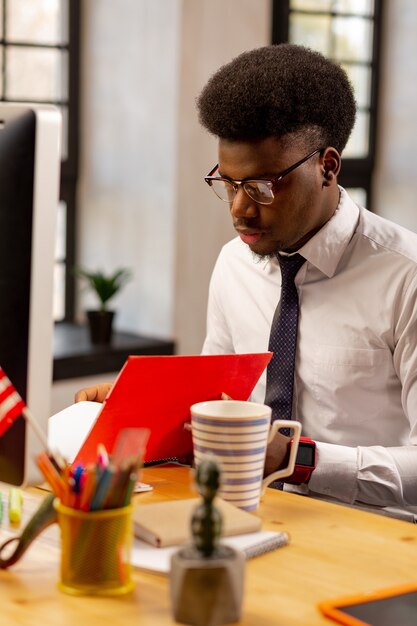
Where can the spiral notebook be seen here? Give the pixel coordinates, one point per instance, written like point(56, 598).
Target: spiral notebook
point(147, 557)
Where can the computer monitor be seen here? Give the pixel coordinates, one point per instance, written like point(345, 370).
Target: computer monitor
point(29, 192)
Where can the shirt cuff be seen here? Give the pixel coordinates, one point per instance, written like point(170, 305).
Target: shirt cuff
point(336, 472)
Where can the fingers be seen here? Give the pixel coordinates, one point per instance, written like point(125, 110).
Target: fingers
point(276, 453)
point(81, 395)
point(96, 393)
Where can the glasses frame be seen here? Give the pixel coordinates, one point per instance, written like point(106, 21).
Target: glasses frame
point(269, 182)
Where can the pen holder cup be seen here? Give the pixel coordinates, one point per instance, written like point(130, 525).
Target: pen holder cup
point(96, 551)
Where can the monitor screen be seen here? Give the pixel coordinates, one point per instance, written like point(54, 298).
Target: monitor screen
point(29, 188)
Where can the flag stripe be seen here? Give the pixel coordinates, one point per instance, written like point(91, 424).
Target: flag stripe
point(4, 382)
point(11, 404)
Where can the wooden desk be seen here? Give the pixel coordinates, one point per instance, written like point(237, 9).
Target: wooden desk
point(334, 550)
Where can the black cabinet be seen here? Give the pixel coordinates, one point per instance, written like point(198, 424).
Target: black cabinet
point(75, 356)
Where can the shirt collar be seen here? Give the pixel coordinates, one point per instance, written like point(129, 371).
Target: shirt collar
point(325, 249)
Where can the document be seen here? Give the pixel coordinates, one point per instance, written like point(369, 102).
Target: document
point(156, 392)
point(69, 428)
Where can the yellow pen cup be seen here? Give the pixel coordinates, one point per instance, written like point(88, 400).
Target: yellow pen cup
point(96, 551)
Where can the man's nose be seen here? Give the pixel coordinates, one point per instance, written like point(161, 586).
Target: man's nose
point(243, 206)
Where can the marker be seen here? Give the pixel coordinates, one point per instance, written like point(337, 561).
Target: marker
point(15, 505)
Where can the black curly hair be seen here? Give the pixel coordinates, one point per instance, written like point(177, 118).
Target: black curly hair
point(277, 90)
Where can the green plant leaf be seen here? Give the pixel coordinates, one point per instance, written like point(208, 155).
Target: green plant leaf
point(104, 286)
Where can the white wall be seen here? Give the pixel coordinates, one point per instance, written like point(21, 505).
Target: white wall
point(212, 34)
point(142, 199)
point(127, 198)
point(395, 184)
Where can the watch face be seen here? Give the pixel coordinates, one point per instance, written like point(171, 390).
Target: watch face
point(305, 454)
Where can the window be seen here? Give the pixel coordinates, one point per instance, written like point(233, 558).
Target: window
point(39, 63)
point(347, 31)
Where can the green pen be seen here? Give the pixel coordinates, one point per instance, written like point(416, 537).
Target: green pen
point(130, 485)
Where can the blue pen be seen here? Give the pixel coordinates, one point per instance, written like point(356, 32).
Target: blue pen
point(78, 473)
point(102, 488)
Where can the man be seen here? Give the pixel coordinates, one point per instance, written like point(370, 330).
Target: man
point(283, 115)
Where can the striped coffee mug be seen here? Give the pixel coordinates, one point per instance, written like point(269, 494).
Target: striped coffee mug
point(238, 433)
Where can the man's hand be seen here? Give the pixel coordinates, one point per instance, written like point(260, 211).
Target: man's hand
point(276, 453)
point(97, 393)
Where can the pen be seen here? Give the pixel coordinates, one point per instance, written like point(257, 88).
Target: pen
point(88, 489)
point(102, 487)
point(115, 493)
point(51, 474)
point(129, 490)
point(15, 505)
point(78, 478)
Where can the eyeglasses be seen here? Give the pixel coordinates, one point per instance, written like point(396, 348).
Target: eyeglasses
point(259, 190)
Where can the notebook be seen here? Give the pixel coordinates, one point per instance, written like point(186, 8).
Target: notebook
point(161, 528)
point(147, 557)
point(156, 392)
point(165, 524)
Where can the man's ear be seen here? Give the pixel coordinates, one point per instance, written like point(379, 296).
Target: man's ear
point(331, 162)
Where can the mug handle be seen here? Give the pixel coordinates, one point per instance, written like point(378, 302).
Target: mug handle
point(285, 471)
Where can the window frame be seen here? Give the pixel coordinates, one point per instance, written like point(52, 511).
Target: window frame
point(355, 172)
point(69, 170)
point(69, 166)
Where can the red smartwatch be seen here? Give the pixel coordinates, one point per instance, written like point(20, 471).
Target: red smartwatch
point(305, 462)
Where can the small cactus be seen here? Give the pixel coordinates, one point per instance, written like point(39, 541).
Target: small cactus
point(206, 521)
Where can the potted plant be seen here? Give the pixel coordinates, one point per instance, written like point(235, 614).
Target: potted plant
point(105, 287)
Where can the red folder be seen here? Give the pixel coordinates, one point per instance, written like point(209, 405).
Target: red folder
point(156, 392)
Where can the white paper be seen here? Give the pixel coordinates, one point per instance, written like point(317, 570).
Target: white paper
point(154, 559)
point(68, 429)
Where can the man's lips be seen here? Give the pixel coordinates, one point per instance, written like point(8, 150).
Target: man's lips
point(250, 236)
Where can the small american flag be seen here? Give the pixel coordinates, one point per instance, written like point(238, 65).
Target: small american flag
point(11, 404)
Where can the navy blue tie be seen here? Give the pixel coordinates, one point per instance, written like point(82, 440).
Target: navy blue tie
point(283, 343)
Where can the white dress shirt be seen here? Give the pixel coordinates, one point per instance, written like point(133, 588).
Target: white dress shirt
point(356, 365)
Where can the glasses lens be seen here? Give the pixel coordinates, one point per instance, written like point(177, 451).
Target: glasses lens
point(259, 191)
point(224, 190)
